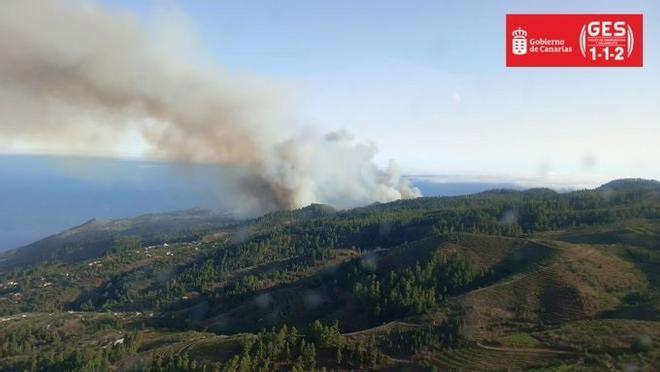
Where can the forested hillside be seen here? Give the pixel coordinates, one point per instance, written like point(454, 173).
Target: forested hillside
point(496, 280)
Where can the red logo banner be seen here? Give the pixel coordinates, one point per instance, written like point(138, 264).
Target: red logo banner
point(574, 40)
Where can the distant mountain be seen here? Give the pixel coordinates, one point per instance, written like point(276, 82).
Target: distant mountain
point(96, 237)
point(629, 184)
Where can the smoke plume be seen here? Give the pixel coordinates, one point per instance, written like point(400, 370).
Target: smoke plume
point(77, 78)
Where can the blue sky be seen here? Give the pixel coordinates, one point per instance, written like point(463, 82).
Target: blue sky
point(425, 81)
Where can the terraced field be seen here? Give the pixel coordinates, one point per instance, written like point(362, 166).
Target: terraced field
point(604, 335)
point(476, 358)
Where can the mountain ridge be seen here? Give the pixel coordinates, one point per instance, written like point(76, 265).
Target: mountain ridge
point(95, 237)
point(200, 218)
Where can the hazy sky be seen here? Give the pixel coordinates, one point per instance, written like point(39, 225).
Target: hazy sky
point(426, 82)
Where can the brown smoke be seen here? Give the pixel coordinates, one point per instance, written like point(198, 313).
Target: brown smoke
point(77, 78)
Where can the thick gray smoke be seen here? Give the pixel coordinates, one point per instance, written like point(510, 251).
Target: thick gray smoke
point(80, 79)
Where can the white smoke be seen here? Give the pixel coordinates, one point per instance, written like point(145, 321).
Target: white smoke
point(80, 79)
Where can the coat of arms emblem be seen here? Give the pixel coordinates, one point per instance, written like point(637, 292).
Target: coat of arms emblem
point(519, 42)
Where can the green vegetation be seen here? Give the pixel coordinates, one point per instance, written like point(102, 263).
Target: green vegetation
point(392, 295)
point(497, 280)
